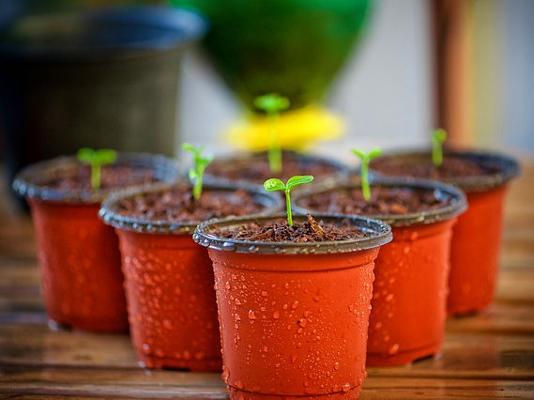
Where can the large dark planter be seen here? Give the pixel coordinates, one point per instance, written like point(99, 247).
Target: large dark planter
point(102, 79)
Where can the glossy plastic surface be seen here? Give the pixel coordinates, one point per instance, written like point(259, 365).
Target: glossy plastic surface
point(407, 320)
point(171, 301)
point(475, 250)
point(80, 266)
point(294, 325)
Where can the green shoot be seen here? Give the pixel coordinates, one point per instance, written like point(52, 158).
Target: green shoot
point(272, 104)
point(196, 172)
point(96, 159)
point(438, 138)
point(275, 184)
point(365, 159)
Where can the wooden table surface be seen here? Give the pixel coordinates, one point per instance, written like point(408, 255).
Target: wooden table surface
point(487, 356)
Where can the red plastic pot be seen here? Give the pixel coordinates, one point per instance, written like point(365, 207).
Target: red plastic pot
point(79, 255)
point(476, 240)
point(475, 251)
point(408, 314)
point(169, 287)
point(294, 316)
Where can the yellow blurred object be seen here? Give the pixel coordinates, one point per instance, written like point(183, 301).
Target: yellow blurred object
point(297, 130)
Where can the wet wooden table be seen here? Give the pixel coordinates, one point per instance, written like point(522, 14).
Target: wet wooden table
point(487, 356)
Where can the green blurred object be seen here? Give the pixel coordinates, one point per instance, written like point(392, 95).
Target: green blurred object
point(291, 47)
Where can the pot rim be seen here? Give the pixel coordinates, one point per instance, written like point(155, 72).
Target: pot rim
point(26, 182)
point(380, 235)
point(110, 215)
point(341, 169)
point(507, 167)
point(457, 206)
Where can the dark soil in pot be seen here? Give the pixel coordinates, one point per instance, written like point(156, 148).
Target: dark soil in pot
point(176, 204)
point(79, 256)
point(293, 303)
point(476, 243)
point(408, 308)
point(453, 167)
point(169, 279)
point(113, 177)
point(254, 167)
point(384, 201)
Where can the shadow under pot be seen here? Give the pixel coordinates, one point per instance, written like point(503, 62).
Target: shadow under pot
point(408, 314)
point(81, 277)
point(476, 241)
point(254, 167)
point(293, 303)
point(168, 277)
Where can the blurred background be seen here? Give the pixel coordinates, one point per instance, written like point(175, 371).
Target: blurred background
point(147, 75)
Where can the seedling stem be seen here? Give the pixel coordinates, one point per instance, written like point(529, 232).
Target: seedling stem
point(365, 159)
point(196, 172)
point(272, 104)
point(438, 138)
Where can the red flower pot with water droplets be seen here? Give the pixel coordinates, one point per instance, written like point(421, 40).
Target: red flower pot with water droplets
point(408, 314)
point(169, 285)
point(293, 316)
point(476, 240)
point(79, 255)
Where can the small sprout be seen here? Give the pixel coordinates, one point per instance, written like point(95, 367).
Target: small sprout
point(96, 159)
point(196, 172)
point(438, 138)
point(272, 104)
point(365, 159)
point(275, 184)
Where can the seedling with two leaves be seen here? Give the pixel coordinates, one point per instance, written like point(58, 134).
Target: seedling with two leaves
point(196, 172)
point(96, 159)
point(273, 104)
point(275, 185)
point(365, 159)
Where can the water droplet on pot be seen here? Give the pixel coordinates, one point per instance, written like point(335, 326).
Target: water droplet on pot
point(251, 315)
point(393, 349)
point(225, 374)
point(276, 315)
point(167, 324)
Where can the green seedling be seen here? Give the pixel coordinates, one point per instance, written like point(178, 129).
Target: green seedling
point(438, 138)
point(272, 104)
point(275, 185)
point(196, 172)
point(365, 159)
point(96, 159)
